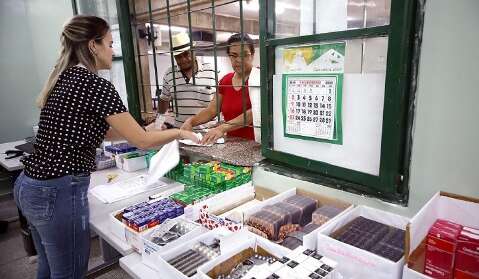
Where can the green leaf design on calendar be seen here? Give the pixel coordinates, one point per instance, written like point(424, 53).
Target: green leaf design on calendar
point(322, 58)
point(312, 106)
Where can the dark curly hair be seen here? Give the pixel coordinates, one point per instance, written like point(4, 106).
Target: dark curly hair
point(238, 37)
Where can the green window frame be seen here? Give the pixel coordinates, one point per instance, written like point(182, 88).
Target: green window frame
point(391, 183)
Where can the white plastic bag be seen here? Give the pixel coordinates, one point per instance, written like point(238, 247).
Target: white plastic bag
point(163, 161)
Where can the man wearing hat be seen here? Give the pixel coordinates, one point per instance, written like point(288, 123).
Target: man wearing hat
point(191, 98)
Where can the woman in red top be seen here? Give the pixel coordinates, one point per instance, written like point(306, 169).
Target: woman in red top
point(230, 97)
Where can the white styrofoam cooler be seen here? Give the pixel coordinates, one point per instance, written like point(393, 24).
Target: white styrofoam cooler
point(309, 240)
point(149, 250)
point(165, 270)
point(459, 209)
point(354, 262)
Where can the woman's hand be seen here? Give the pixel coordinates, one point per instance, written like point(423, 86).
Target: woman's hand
point(212, 136)
point(183, 134)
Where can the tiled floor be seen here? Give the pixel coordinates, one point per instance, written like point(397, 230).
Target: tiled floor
point(14, 262)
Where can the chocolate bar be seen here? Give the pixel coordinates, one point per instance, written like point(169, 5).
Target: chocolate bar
point(324, 214)
point(305, 204)
point(387, 251)
point(267, 222)
point(380, 239)
point(285, 211)
point(286, 229)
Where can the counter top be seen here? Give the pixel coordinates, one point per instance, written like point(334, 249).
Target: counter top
point(235, 151)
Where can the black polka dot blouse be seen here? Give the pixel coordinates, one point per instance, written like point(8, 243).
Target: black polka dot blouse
point(72, 125)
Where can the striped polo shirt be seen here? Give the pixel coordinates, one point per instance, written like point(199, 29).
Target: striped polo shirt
point(191, 98)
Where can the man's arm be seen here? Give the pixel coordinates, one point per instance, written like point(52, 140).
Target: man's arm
point(165, 96)
point(163, 106)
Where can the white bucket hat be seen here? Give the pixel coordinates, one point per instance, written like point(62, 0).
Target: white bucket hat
point(180, 43)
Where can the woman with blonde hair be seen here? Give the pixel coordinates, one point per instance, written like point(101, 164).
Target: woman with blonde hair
point(79, 110)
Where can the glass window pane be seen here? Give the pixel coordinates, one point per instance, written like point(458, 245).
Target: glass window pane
point(378, 12)
point(116, 76)
point(306, 17)
point(103, 9)
point(363, 64)
point(108, 11)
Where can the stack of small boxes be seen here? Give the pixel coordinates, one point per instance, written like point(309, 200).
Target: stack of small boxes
point(203, 180)
point(293, 210)
point(192, 195)
point(142, 216)
point(189, 261)
point(287, 222)
point(380, 239)
point(452, 251)
point(467, 254)
point(119, 148)
point(295, 239)
point(324, 213)
point(301, 263)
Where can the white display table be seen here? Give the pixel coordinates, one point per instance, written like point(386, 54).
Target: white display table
point(135, 268)
point(10, 164)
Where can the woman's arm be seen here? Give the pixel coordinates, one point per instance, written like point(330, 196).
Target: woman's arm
point(236, 123)
point(113, 135)
point(126, 126)
point(204, 115)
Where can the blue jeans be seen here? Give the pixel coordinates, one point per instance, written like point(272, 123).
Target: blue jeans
point(58, 216)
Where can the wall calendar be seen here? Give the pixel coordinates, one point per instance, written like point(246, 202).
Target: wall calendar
point(312, 106)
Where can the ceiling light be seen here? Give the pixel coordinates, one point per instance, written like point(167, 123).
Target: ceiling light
point(253, 6)
point(173, 28)
point(370, 4)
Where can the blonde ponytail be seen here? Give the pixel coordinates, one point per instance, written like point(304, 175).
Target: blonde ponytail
point(76, 35)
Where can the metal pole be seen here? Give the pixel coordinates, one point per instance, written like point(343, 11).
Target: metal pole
point(188, 3)
point(242, 63)
point(213, 13)
point(175, 101)
point(139, 65)
point(153, 47)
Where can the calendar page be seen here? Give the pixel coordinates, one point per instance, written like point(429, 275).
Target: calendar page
point(312, 106)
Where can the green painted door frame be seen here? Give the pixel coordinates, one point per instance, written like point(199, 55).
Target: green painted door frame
point(129, 65)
